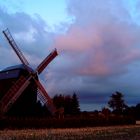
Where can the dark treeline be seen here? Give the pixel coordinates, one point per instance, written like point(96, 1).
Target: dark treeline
point(116, 105)
point(68, 102)
point(117, 112)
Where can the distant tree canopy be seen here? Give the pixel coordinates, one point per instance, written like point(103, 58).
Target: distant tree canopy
point(133, 111)
point(69, 103)
point(117, 102)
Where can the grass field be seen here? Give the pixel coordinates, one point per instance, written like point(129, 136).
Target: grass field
point(129, 132)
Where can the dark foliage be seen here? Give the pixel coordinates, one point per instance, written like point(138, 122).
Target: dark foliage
point(71, 122)
point(117, 103)
point(42, 110)
point(137, 112)
point(133, 111)
point(69, 103)
point(75, 105)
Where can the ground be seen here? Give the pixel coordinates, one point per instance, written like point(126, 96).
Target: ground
point(127, 132)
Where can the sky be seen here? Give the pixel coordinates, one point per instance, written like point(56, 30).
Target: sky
point(98, 42)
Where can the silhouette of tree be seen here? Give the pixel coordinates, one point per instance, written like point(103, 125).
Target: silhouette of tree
point(58, 101)
point(75, 104)
point(106, 112)
point(41, 110)
point(137, 111)
point(133, 111)
point(117, 103)
point(69, 103)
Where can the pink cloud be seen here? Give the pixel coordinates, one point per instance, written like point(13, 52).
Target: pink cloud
point(100, 50)
point(78, 39)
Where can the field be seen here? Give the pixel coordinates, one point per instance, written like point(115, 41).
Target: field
point(127, 132)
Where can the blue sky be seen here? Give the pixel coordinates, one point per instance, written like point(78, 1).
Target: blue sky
point(52, 11)
point(98, 43)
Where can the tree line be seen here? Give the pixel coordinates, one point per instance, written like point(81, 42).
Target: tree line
point(116, 105)
point(69, 103)
point(117, 113)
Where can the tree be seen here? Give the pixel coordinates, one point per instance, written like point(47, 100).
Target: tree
point(41, 110)
point(106, 112)
point(69, 103)
point(75, 104)
point(117, 103)
point(137, 111)
point(58, 101)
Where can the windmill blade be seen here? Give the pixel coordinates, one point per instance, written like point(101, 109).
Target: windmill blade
point(15, 47)
point(46, 61)
point(49, 102)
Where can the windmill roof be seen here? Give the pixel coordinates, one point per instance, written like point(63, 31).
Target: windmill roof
point(20, 66)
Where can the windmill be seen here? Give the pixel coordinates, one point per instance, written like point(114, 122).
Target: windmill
point(25, 80)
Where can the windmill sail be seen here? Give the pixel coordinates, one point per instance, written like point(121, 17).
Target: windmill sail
point(15, 47)
point(46, 61)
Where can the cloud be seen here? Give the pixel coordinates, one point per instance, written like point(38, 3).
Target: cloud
point(105, 46)
point(30, 34)
point(98, 50)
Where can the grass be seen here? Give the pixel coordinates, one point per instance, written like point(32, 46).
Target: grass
point(127, 132)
